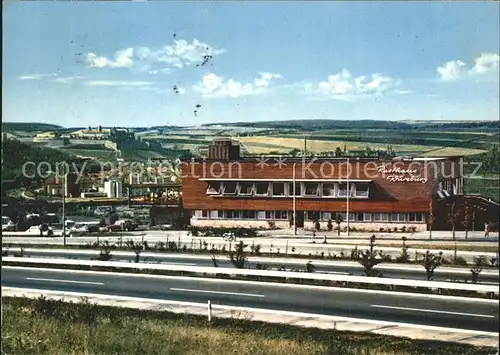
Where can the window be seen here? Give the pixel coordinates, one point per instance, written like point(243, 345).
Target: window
point(248, 214)
point(214, 214)
point(356, 216)
point(204, 213)
point(278, 189)
point(342, 215)
point(415, 217)
point(329, 189)
point(197, 214)
point(361, 190)
point(381, 217)
point(229, 188)
point(269, 214)
point(298, 189)
point(311, 189)
point(261, 215)
point(245, 188)
point(398, 217)
point(325, 216)
point(214, 188)
point(281, 214)
point(262, 188)
point(367, 217)
point(312, 215)
point(342, 190)
point(233, 214)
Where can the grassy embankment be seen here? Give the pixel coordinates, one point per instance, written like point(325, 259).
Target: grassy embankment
point(57, 328)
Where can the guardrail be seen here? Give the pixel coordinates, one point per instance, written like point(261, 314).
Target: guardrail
point(481, 288)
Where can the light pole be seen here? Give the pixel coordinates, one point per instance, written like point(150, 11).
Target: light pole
point(294, 203)
point(64, 208)
point(348, 193)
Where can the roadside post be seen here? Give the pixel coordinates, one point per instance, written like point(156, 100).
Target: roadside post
point(209, 311)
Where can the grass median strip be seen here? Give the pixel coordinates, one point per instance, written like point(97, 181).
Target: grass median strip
point(44, 326)
point(173, 248)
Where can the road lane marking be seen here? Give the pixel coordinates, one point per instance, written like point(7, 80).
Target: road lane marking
point(217, 292)
point(410, 295)
point(65, 281)
point(434, 311)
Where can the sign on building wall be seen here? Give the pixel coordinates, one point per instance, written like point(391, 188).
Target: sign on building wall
point(401, 175)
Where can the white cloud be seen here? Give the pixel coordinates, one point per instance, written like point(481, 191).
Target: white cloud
point(118, 83)
point(216, 86)
point(452, 70)
point(54, 78)
point(484, 64)
point(66, 79)
point(343, 85)
point(36, 76)
point(123, 59)
point(265, 78)
point(154, 61)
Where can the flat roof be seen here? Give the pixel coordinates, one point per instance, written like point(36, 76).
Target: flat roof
point(283, 180)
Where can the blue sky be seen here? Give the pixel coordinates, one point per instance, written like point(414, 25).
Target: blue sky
point(116, 63)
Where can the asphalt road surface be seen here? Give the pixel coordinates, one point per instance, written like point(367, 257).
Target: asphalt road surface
point(394, 271)
point(463, 313)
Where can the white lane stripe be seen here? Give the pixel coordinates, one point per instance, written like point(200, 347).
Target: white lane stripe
point(217, 292)
point(65, 281)
point(434, 311)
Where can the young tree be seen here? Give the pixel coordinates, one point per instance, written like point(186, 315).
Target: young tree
point(137, 255)
point(214, 261)
point(105, 254)
point(317, 226)
point(329, 225)
point(310, 267)
point(338, 220)
point(405, 257)
point(467, 219)
point(237, 256)
point(430, 219)
point(430, 262)
point(479, 263)
point(453, 215)
point(370, 258)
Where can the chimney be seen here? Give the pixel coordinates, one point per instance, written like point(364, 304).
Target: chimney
point(224, 149)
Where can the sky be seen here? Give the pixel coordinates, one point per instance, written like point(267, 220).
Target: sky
point(155, 63)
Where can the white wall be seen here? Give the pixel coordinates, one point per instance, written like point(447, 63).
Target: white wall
point(308, 225)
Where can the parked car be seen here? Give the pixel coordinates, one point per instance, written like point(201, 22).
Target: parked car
point(82, 228)
point(122, 225)
point(229, 237)
point(43, 230)
point(7, 224)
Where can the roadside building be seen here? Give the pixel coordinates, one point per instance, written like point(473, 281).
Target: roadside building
point(230, 190)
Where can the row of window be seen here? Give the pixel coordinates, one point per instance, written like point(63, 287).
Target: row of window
point(307, 189)
point(311, 215)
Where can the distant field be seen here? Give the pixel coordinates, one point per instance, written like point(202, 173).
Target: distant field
point(258, 144)
point(487, 187)
point(449, 151)
point(93, 153)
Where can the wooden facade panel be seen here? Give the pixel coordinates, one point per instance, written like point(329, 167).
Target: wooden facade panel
point(386, 195)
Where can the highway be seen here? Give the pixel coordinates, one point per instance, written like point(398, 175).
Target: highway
point(416, 272)
point(441, 311)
